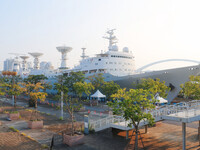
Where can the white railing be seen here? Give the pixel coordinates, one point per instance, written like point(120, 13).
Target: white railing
point(192, 107)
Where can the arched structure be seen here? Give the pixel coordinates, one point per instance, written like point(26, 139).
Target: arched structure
point(166, 60)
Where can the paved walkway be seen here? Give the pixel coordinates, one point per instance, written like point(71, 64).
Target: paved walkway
point(47, 110)
point(52, 111)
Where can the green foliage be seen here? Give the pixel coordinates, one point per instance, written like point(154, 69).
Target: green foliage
point(83, 87)
point(73, 78)
point(154, 86)
point(35, 79)
point(109, 88)
point(45, 146)
point(14, 112)
point(60, 86)
point(191, 89)
point(61, 118)
point(97, 80)
point(14, 89)
point(13, 129)
point(34, 92)
point(133, 105)
point(3, 88)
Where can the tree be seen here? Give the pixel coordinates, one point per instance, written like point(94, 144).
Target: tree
point(134, 105)
point(74, 84)
point(14, 89)
point(61, 89)
point(83, 87)
point(109, 88)
point(73, 78)
point(97, 80)
point(72, 104)
point(154, 86)
point(191, 89)
point(11, 81)
point(34, 92)
point(35, 78)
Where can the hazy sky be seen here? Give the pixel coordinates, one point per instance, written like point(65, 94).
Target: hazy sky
point(152, 29)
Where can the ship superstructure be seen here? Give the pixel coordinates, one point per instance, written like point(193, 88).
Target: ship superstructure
point(114, 62)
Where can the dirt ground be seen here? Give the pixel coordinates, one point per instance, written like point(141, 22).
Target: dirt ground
point(15, 141)
point(167, 135)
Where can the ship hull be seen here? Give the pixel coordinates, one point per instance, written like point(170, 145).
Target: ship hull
point(172, 77)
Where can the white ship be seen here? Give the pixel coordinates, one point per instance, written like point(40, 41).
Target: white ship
point(115, 65)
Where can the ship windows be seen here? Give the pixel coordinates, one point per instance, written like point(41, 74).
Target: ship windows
point(110, 62)
point(106, 62)
point(99, 59)
point(121, 56)
point(115, 63)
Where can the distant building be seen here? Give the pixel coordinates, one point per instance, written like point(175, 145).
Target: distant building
point(8, 64)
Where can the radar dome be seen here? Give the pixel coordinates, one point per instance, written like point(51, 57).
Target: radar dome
point(114, 48)
point(125, 49)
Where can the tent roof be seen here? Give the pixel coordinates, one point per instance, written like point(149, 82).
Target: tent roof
point(161, 100)
point(97, 94)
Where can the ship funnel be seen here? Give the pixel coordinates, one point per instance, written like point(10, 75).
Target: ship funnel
point(63, 50)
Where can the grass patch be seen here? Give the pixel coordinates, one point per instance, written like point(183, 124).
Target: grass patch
point(13, 129)
point(14, 112)
point(44, 146)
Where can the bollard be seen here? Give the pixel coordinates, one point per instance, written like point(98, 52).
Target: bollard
point(86, 124)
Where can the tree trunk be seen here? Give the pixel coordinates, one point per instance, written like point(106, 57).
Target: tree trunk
point(36, 115)
point(15, 102)
point(72, 119)
point(36, 104)
point(136, 138)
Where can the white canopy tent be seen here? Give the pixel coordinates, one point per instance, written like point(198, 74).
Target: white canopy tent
point(161, 100)
point(98, 95)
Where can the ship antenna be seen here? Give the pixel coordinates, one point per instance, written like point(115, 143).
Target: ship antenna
point(83, 53)
point(112, 39)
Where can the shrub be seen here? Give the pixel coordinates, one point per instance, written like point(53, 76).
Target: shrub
point(14, 112)
point(13, 129)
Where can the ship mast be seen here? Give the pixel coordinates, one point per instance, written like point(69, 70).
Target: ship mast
point(112, 39)
point(83, 53)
